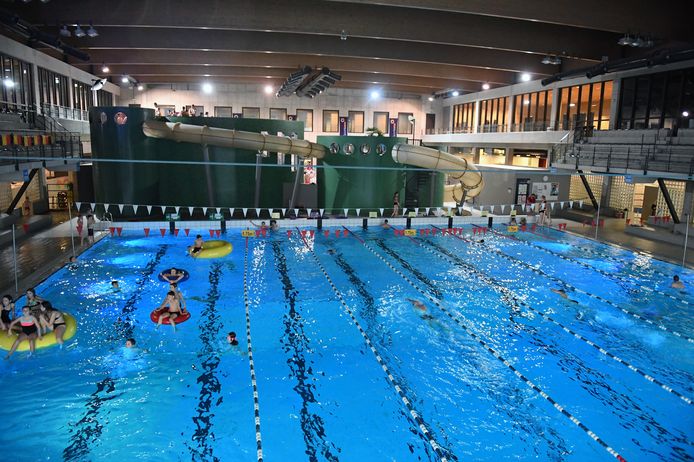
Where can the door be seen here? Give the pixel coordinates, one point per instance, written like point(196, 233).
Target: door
point(650, 197)
point(522, 188)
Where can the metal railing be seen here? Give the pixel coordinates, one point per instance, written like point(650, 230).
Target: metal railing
point(62, 146)
point(62, 112)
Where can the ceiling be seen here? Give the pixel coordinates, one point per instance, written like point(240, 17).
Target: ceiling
point(414, 46)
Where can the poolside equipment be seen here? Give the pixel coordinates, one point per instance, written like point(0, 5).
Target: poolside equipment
point(214, 249)
point(47, 340)
point(185, 273)
point(154, 316)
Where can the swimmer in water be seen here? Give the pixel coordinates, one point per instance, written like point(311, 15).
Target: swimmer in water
point(563, 294)
point(197, 246)
point(173, 275)
point(385, 224)
point(676, 283)
point(422, 308)
point(114, 286)
point(130, 343)
point(231, 339)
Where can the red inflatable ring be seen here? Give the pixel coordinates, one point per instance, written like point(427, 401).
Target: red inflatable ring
point(154, 316)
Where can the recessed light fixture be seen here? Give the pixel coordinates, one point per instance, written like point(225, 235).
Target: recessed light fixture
point(105, 69)
point(207, 88)
point(79, 32)
point(269, 89)
point(140, 87)
point(525, 77)
point(91, 31)
point(431, 98)
point(125, 79)
point(375, 94)
point(685, 113)
point(455, 93)
point(9, 83)
point(485, 86)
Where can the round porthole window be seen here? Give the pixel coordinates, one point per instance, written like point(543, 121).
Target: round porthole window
point(365, 148)
point(381, 149)
point(348, 148)
point(334, 148)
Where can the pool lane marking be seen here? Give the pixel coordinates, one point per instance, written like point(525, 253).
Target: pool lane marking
point(597, 270)
point(597, 254)
point(254, 383)
point(509, 293)
point(595, 296)
point(498, 356)
point(438, 450)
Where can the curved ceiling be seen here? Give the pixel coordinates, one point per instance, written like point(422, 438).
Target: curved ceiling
point(417, 46)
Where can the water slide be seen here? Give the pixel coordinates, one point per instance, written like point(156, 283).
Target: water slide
point(469, 178)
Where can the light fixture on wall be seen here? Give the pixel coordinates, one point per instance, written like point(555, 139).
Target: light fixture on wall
point(140, 87)
point(125, 79)
point(431, 98)
point(485, 86)
point(79, 32)
point(455, 93)
point(294, 81)
point(105, 69)
point(685, 113)
point(375, 94)
point(268, 89)
point(207, 88)
point(525, 77)
point(553, 60)
point(65, 32)
point(635, 40)
point(9, 83)
point(91, 31)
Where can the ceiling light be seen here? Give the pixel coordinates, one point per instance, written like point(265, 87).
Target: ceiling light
point(685, 113)
point(525, 77)
point(125, 79)
point(65, 32)
point(91, 31)
point(431, 98)
point(294, 81)
point(105, 69)
point(485, 86)
point(553, 60)
point(318, 83)
point(9, 83)
point(140, 87)
point(455, 93)
point(207, 88)
point(343, 35)
point(268, 89)
point(624, 41)
point(375, 94)
point(79, 32)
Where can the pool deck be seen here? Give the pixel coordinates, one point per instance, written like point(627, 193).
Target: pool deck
point(40, 255)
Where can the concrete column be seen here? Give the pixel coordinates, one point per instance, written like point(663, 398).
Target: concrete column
point(688, 202)
point(509, 156)
point(554, 112)
point(614, 109)
point(509, 116)
point(476, 118)
point(35, 83)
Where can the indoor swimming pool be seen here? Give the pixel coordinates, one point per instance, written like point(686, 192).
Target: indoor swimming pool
point(364, 347)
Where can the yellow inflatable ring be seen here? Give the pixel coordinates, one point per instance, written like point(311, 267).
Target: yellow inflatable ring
point(214, 249)
point(47, 340)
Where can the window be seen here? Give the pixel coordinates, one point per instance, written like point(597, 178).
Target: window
point(381, 121)
point(463, 118)
point(81, 95)
point(355, 123)
point(531, 111)
point(167, 110)
point(585, 106)
point(330, 121)
point(492, 116)
point(53, 88)
point(251, 112)
point(404, 124)
point(104, 98)
point(21, 94)
point(278, 114)
point(223, 111)
point(492, 156)
point(305, 116)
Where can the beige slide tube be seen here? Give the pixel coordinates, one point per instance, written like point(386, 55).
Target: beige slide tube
point(202, 134)
point(469, 177)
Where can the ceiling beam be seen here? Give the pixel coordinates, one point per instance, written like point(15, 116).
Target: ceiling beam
point(294, 61)
point(367, 21)
point(196, 39)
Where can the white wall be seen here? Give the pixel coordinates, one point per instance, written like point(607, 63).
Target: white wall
point(238, 96)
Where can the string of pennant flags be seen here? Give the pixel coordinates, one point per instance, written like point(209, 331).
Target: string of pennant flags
point(318, 213)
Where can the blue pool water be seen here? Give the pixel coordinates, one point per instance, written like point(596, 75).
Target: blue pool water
point(348, 369)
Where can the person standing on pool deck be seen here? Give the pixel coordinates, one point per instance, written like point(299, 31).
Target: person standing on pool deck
point(676, 283)
point(30, 331)
point(197, 245)
point(396, 204)
point(90, 228)
point(80, 227)
point(172, 311)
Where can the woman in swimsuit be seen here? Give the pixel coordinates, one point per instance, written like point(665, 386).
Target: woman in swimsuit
point(53, 319)
point(80, 227)
point(30, 331)
point(6, 312)
point(33, 301)
point(396, 204)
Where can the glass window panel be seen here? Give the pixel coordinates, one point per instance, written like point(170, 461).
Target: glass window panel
point(355, 123)
point(251, 112)
point(305, 116)
point(381, 121)
point(404, 125)
point(223, 111)
point(657, 97)
point(330, 121)
point(641, 101)
point(584, 105)
point(278, 114)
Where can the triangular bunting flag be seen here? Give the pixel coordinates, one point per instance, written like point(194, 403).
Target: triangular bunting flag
point(296, 213)
point(244, 212)
point(219, 210)
point(551, 205)
point(321, 212)
point(120, 208)
point(78, 205)
point(345, 210)
point(204, 210)
point(358, 210)
point(571, 204)
point(503, 209)
point(257, 212)
point(190, 210)
point(460, 210)
point(106, 206)
point(93, 204)
point(481, 207)
point(561, 204)
point(149, 209)
point(426, 211)
point(416, 211)
point(381, 210)
point(438, 211)
point(177, 208)
point(231, 212)
point(580, 204)
point(284, 211)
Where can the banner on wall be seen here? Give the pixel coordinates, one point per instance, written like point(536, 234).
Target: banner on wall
point(393, 127)
point(343, 126)
point(291, 117)
point(549, 190)
point(237, 115)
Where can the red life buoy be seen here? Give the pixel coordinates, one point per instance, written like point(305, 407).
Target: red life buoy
point(154, 316)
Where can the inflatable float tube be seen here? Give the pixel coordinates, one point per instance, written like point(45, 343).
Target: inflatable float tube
point(154, 316)
point(46, 341)
point(214, 249)
point(185, 273)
